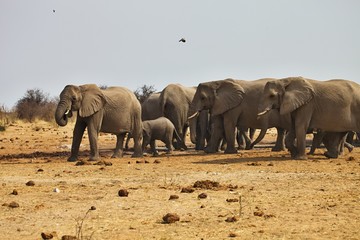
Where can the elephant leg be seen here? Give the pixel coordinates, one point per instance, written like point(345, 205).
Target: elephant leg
point(93, 133)
point(290, 143)
point(259, 138)
point(317, 140)
point(301, 145)
point(153, 148)
point(246, 140)
point(128, 137)
point(217, 133)
point(240, 138)
point(118, 153)
point(168, 146)
point(137, 137)
point(229, 127)
point(77, 137)
point(280, 140)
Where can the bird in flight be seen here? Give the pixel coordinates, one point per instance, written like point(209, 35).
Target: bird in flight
point(53, 10)
point(183, 40)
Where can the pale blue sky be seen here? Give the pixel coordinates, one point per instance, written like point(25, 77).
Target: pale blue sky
point(131, 43)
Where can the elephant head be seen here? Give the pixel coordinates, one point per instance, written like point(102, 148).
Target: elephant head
point(86, 99)
point(216, 96)
point(287, 95)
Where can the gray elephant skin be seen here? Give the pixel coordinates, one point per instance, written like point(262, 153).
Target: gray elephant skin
point(159, 129)
point(329, 106)
point(150, 109)
point(234, 103)
point(175, 100)
point(113, 110)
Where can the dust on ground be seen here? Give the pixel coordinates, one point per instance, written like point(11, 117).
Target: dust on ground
point(255, 194)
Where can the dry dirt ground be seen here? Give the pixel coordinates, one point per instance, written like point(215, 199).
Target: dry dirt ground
point(255, 194)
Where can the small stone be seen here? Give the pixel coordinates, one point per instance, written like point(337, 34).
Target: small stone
point(187, 190)
point(123, 193)
point(14, 205)
point(232, 200)
point(14, 192)
point(47, 235)
point(231, 219)
point(157, 161)
point(171, 218)
point(56, 190)
point(40, 170)
point(232, 235)
point(202, 195)
point(173, 197)
point(93, 208)
point(30, 183)
point(68, 237)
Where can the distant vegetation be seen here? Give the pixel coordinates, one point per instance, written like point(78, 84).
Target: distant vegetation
point(35, 104)
point(143, 92)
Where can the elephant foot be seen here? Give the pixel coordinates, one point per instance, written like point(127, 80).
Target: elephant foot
point(156, 154)
point(72, 159)
point(94, 158)
point(230, 151)
point(210, 150)
point(117, 155)
point(331, 155)
point(311, 153)
point(240, 148)
point(278, 149)
point(249, 147)
point(137, 155)
point(300, 157)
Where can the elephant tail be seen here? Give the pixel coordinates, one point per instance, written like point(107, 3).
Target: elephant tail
point(179, 140)
point(259, 138)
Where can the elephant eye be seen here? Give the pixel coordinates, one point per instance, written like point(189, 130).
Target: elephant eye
point(73, 98)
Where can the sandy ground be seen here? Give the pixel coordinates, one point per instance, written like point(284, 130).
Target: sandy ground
point(255, 194)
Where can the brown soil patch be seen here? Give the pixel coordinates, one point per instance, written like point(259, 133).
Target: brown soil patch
point(254, 194)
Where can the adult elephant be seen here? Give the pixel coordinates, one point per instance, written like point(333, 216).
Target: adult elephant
point(150, 110)
point(113, 110)
point(330, 106)
point(234, 103)
point(175, 101)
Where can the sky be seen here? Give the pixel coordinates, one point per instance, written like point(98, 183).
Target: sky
point(133, 43)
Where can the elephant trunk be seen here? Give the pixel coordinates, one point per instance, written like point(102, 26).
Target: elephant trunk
point(62, 114)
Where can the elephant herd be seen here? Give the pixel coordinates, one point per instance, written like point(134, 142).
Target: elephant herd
point(217, 112)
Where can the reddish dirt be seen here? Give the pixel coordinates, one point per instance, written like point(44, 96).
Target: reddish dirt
point(258, 194)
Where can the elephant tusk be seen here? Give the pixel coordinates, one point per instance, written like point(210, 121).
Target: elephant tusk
point(194, 115)
point(264, 112)
point(67, 112)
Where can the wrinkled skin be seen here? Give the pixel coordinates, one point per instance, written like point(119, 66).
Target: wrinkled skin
point(150, 109)
point(113, 110)
point(175, 102)
point(159, 129)
point(329, 106)
point(236, 102)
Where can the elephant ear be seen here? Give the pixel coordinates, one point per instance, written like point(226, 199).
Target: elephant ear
point(298, 92)
point(228, 94)
point(92, 100)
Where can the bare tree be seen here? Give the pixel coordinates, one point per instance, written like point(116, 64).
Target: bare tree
point(143, 92)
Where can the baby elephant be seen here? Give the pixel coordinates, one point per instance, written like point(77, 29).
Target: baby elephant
point(159, 129)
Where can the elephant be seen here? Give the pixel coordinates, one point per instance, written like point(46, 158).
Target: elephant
point(150, 109)
point(112, 110)
point(234, 103)
point(329, 106)
point(175, 101)
point(334, 142)
point(159, 129)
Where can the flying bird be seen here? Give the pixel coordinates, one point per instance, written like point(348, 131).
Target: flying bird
point(182, 40)
point(53, 10)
